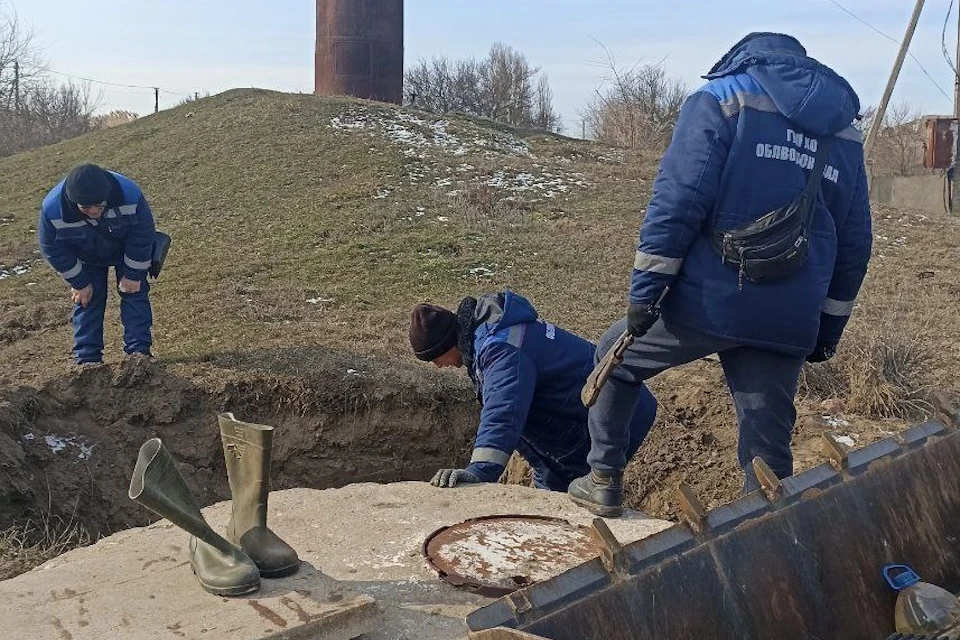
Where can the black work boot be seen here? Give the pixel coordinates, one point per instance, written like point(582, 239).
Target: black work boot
point(599, 492)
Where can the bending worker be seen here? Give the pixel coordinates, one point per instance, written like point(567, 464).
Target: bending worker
point(527, 374)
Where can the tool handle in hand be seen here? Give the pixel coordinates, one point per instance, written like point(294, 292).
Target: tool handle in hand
point(598, 377)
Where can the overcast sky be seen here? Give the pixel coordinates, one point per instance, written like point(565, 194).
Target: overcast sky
point(185, 46)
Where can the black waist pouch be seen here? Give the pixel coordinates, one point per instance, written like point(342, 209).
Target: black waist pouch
point(161, 245)
point(776, 245)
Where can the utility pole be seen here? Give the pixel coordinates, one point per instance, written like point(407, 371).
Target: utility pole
point(956, 78)
point(156, 99)
point(881, 110)
point(16, 86)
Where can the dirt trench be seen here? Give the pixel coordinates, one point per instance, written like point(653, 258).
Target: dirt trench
point(69, 448)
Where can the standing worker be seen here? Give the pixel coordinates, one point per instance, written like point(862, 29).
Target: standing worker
point(92, 220)
point(754, 246)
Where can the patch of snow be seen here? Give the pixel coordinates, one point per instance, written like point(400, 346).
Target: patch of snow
point(482, 272)
point(58, 444)
point(846, 440)
point(16, 270)
point(835, 421)
point(318, 300)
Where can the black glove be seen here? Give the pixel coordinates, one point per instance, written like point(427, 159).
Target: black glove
point(822, 352)
point(453, 477)
point(640, 317)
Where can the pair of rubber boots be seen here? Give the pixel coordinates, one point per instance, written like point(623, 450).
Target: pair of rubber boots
point(233, 565)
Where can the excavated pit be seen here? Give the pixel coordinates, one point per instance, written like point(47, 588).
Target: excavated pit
point(68, 448)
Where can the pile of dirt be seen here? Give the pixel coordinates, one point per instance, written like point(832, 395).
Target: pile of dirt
point(70, 446)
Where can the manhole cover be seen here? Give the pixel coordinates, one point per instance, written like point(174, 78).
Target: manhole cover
point(495, 555)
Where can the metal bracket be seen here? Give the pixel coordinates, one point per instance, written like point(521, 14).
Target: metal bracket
point(768, 480)
point(611, 553)
point(692, 510)
point(946, 410)
point(836, 451)
point(519, 602)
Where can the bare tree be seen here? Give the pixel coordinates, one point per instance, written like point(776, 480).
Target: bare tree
point(898, 149)
point(544, 117)
point(635, 107)
point(19, 64)
point(33, 110)
point(47, 114)
point(504, 87)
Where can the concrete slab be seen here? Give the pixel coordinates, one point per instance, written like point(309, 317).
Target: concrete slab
point(359, 544)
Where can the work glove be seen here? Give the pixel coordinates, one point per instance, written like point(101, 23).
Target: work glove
point(451, 477)
point(640, 317)
point(822, 352)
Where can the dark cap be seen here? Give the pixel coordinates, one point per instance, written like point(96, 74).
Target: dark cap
point(433, 331)
point(87, 184)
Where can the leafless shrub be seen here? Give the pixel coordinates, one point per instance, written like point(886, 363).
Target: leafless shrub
point(636, 107)
point(114, 118)
point(880, 372)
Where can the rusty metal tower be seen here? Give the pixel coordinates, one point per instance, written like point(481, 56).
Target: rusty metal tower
point(359, 49)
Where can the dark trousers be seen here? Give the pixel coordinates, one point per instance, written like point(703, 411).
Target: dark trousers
point(135, 315)
point(556, 472)
point(763, 385)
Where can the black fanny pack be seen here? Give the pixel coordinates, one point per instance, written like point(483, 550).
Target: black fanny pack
point(776, 245)
point(161, 244)
point(158, 253)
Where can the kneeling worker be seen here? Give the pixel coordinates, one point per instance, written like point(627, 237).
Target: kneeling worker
point(527, 374)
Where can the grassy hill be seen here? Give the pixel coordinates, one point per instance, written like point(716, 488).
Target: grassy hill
point(304, 230)
point(299, 220)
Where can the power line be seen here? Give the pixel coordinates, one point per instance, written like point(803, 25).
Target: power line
point(113, 84)
point(892, 39)
point(943, 40)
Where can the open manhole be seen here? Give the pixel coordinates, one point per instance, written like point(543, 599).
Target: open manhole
point(495, 555)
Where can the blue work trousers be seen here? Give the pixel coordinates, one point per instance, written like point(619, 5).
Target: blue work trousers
point(763, 385)
point(555, 473)
point(135, 315)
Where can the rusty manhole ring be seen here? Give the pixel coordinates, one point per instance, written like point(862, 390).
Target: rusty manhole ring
point(496, 555)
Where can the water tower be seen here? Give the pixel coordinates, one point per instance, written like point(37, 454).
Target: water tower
point(359, 49)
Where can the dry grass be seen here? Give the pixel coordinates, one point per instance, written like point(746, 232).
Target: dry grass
point(883, 369)
point(29, 545)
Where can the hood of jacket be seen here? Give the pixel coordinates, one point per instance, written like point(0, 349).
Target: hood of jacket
point(806, 92)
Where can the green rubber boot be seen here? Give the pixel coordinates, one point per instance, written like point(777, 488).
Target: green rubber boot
point(220, 567)
point(247, 447)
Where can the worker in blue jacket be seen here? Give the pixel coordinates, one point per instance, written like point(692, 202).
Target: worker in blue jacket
point(527, 374)
point(92, 220)
point(745, 145)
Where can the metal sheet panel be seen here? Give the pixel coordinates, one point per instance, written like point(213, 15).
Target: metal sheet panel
point(809, 567)
point(359, 49)
point(939, 147)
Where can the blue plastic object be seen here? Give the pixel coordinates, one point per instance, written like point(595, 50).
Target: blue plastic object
point(907, 576)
